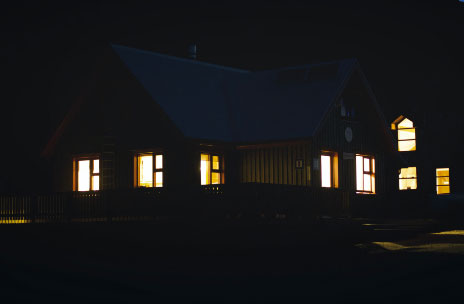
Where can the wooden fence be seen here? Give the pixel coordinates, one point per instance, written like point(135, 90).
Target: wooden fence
point(205, 202)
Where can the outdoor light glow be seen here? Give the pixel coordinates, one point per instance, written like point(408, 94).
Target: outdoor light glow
point(325, 171)
point(450, 232)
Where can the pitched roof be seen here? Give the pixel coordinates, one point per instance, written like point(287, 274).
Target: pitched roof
point(213, 102)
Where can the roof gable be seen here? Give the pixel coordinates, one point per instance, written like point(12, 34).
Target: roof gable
point(190, 92)
point(273, 107)
point(218, 103)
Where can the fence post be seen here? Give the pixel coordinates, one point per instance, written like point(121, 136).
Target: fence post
point(68, 198)
point(107, 208)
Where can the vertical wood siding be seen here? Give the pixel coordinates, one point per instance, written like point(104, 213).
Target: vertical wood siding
point(275, 165)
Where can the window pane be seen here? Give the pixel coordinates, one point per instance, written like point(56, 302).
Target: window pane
point(95, 182)
point(443, 172)
point(366, 165)
point(408, 184)
point(407, 145)
point(405, 123)
point(373, 165)
point(159, 161)
point(145, 171)
point(443, 189)
point(442, 181)
point(367, 182)
point(215, 178)
point(96, 166)
point(215, 162)
point(406, 134)
point(83, 175)
point(205, 168)
point(325, 171)
point(359, 172)
point(409, 172)
point(159, 179)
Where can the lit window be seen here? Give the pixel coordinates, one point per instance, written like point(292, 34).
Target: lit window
point(329, 170)
point(149, 173)
point(408, 178)
point(443, 181)
point(365, 174)
point(406, 134)
point(87, 175)
point(210, 169)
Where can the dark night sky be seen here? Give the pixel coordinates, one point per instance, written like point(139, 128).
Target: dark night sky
point(410, 50)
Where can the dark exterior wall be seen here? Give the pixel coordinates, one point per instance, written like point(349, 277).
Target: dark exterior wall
point(365, 141)
point(276, 164)
point(438, 145)
point(116, 119)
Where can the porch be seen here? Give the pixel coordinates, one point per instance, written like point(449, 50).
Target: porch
point(212, 202)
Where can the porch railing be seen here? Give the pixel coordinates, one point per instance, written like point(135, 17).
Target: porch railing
point(212, 201)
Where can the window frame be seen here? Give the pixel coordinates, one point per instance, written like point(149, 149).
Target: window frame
point(436, 181)
point(371, 173)
point(334, 180)
point(403, 178)
point(220, 170)
point(90, 158)
point(153, 154)
point(395, 126)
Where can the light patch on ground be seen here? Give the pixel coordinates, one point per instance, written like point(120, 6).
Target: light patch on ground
point(451, 241)
point(441, 247)
point(12, 221)
point(451, 232)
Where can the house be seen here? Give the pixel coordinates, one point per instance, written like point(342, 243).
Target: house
point(156, 121)
point(429, 145)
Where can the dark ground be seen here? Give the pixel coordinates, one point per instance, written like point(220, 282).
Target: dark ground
point(328, 260)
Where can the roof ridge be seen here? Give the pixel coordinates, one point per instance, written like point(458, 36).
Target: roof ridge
point(347, 60)
point(186, 60)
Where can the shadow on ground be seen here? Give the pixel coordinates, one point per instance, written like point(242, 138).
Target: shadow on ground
point(327, 260)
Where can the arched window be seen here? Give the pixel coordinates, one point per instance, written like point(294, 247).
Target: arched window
point(406, 134)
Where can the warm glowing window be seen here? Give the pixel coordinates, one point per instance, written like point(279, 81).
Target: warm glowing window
point(87, 174)
point(210, 169)
point(408, 178)
point(329, 170)
point(365, 174)
point(406, 134)
point(443, 181)
point(149, 170)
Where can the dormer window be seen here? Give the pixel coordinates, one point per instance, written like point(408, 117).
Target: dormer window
point(406, 134)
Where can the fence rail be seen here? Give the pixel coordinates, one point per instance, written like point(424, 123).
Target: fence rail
point(212, 201)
